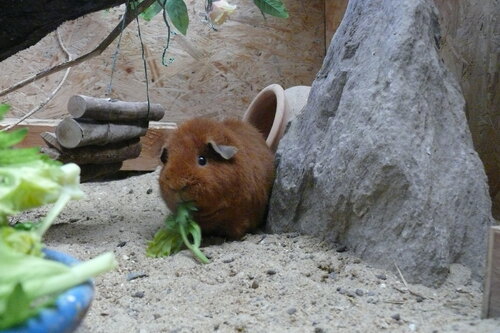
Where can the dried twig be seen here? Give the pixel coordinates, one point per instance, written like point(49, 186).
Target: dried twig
point(54, 92)
point(129, 16)
point(406, 284)
point(401, 276)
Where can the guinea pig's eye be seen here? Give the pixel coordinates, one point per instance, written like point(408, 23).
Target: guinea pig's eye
point(202, 160)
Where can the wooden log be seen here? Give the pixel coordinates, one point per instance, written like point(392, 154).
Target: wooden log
point(112, 153)
point(94, 171)
point(87, 171)
point(491, 296)
point(72, 133)
point(152, 142)
point(113, 110)
point(51, 152)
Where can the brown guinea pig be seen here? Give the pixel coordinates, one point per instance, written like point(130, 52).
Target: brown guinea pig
point(225, 168)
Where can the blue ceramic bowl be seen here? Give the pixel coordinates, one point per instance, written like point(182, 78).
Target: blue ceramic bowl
point(70, 308)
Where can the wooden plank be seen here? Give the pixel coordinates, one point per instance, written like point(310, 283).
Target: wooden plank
point(491, 297)
point(152, 142)
point(209, 73)
point(334, 13)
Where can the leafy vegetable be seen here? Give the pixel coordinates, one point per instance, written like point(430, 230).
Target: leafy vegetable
point(272, 7)
point(26, 279)
point(176, 231)
point(28, 179)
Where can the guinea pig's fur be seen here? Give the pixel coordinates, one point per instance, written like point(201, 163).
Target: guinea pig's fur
point(225, 168)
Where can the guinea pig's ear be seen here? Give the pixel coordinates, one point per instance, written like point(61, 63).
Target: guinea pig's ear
point(226, 152)
point(164, 155)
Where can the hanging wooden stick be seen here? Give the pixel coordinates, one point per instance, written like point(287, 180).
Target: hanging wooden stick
point(72, 133)
point(106, 109)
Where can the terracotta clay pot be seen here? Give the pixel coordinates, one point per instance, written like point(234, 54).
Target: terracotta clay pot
point(273, 108)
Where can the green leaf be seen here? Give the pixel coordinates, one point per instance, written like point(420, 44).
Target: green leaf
point(3, 110)
point(165, 242)
point(194, 231)
point(151, 11)
point(177, 11)
point(272, 7)
point(8, 139)
point(178, 230)
point(17, 308)
point(18, 156)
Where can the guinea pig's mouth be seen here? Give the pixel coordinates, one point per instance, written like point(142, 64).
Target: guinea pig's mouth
point(208, 215)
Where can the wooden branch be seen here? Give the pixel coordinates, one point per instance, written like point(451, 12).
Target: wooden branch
point(127, 18)
point(53, 93)
point(491, 297)
point(72, 133)
point(152, 142)
point(107, 109)
point(91, 154)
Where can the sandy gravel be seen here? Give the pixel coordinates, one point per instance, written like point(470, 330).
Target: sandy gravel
point(265, 283)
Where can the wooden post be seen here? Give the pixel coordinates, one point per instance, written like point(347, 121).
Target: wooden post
point(491, 297)
point(112, 110)
point(72, 133)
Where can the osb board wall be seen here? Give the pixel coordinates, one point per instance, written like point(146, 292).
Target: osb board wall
point(334, 13)
point(212, 73)
point(470, 40)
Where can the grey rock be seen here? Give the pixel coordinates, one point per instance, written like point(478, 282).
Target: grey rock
point(381, 158)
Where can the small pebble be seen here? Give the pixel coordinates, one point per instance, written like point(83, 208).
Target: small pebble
point(136, 275)
point(381, 276)
point(131, 191)
point(254, 285)
point(420, 299)
point(319, 330)
point(341, 291)
point(139, 294)
point(291, 311)
point(271, 272)
point(341, 248)
point(360, 292)
point(370, 293)
point(121, 244)
point(156, 316)
point(149, 191)
point(228, 260)
point(396, 316)
point(351, 294)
